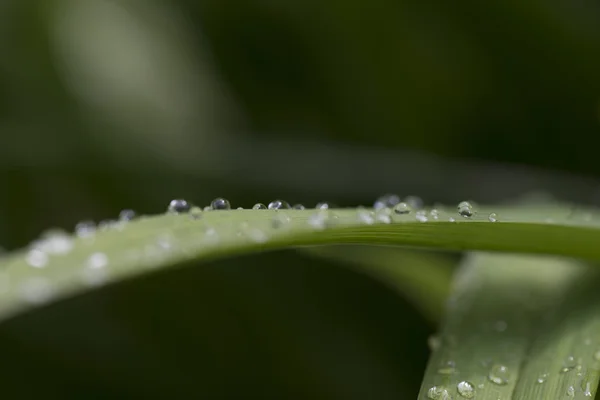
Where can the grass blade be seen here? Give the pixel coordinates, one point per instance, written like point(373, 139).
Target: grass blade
point(509, 324)
point(60, 266)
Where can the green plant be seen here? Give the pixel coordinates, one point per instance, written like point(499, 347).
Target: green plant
point(515, 326)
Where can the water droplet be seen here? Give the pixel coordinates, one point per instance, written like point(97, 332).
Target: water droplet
point(587, 388)
point(178, 206)
point(493, 217)
point(465, 209)
point(434, 214)
point(37, 258)
point(447, 368)
point(569, 364)
point(280, 220)
point(466, 389)
point(387, 200)
point(597, 355)
point(324, 206)
point(543, 378)
point(36, 290)
point(97, 261)
point(438, 393)
point(298, 207)
point(126, 215)
point(220, 204)
point(434, 342)
point(95, 273)
point(402, 208)
point(451, 219)
point(85, 229)
point(240, 208)
point(421, 217)
point(318, 220)
point(279, 205)
point(365, 217)
point(256, 235)
point(54, 242)
point(571, 391)
point(480, 386)
point(384, 215)
point(499, 374)
point(208, 208)
point(259, 206)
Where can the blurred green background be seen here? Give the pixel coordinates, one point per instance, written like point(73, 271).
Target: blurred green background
point(112, 104)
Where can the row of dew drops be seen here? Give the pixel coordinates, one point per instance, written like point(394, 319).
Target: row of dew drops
point(58, 242)
point(500, 375)
point(382, 210)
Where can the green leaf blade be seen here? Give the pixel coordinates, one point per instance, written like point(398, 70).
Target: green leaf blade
point(520, 327)
point(149, 243)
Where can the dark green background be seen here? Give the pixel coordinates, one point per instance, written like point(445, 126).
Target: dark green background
point(115, 104)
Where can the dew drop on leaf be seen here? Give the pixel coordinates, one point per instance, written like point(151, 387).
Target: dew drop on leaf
point(365, 217)
point(586, 386)
point(421, 217)
point(387, 200)
point(438, 393)
point(279, 205)
point(499, 374)
point(384, 215)
point(324, 206)
point(597, 355)
point(402, 208)
point(465, 209)
point(85, 229)
point(318, 220)
point(220, 204)
point(97, 261)
point(55, 242)
point(466, 389)
point(95, 273)
point(571, 391)
point(256, 235)
point(542, 378)
point(177, 206)
point(298, 207)
point(259, 206)
point(493, 217)
point(37, 258)
point(569, 364)
point(448, 368)
point(126, 215)
point(280, 220)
